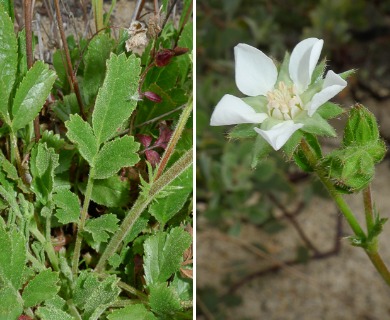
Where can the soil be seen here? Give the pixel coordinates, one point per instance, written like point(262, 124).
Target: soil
point(342, 286)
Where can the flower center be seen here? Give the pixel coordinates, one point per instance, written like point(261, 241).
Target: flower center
point(284, 102)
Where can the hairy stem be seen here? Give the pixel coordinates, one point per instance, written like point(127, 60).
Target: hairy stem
point(141, 204)
point(80, 228)
point(174, 139)
point(368, 209)
point(347, 212)
point(48, 246)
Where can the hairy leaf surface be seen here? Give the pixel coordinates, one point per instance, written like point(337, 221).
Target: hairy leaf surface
point(163, 254)
point(32, 94)
point(8, 61)
point(80, 133)
point(116, 100)
point(115, 155)
point(42, 287)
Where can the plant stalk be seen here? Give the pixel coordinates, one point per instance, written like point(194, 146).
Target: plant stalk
point(74, 83)
point(347, 212)
point(80, 228)
point(140, 205)
point(368, 209)
point(174, 139)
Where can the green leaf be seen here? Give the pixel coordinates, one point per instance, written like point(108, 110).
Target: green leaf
point(94, 296)
point(163, 300)
point(95, 65)
point(10, 306)
point(42, 165)
point(99, 227)
point(165, 208)
point(111, 192)
point(116, 99)
point(329, 110)
point(243, 131)
point(69, 105)
point(135, 311)
point(80, 133)
point(22, 55)
point(8, 62)
point(42, 287)
point(261, 149)
point(115, 155)
point(317, 125)
point(12, 258)
point(53, 313)
point(68, 206)
point(139, 225)
point(8, 7)
point(31, 94)
point(164, 254)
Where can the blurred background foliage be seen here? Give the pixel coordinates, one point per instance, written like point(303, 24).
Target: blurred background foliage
point(229, 192)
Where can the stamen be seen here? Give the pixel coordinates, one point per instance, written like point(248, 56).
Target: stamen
point(283, 102)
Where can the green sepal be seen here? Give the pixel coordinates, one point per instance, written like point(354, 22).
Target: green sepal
point(351, 169)
point(361, 127)
point(329, 110)
point(243, 131)
point(300, 158)
point(292, 144)
point(258, 103)
point(261, 150)
point(316, 125)
point(346, 74)
point(284, 74)
point(319, 71)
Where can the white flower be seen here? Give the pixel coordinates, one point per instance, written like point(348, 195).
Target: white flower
point(282, 98)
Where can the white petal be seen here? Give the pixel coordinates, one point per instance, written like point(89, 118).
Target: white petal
point(256, 73)
point(303, 60)
point(278, 135)
point(333, 84)
point(232, 110)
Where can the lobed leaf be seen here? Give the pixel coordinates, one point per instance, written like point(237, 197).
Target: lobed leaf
point(164, 209)
point(42, 287)
point(80, 133)
point(111, 192)
point(99, 227)
point(116, 98)
point(94, 296)
point(95, 65)
point(53, 313)
point(136, 311)
point(115, 155)
point(43, 162)
point(164, 253)
point(12, 258)
point(163, 300)
point(8, 62)
point(10, 306)
point(31, 94)
point(68, 206)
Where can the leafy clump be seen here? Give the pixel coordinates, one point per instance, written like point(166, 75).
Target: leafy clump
point(84, 214)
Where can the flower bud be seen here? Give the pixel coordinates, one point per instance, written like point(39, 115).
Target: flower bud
point(152, 96)
point(164, 57)
point(361, 127)
point(179, 51)
point(362, 131)
point(351, 169)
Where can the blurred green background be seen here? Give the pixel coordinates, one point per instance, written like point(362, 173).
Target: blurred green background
point(229, 193)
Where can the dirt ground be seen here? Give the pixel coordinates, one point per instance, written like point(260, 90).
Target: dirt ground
point(340, 287)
